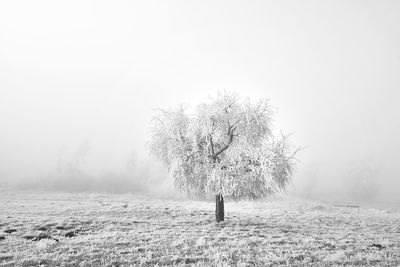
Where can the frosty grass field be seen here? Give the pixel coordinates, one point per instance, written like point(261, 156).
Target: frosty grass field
point(123, 230)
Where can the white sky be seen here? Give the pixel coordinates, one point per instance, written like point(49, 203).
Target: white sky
point(94, 70)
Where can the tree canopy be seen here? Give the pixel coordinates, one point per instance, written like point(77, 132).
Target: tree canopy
point(225, 147)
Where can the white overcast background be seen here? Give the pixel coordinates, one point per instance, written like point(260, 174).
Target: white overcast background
point(93, 71)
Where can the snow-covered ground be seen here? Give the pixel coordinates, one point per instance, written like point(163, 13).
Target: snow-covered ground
point(142, 230)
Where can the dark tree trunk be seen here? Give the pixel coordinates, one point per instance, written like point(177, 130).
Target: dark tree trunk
point(219, 208)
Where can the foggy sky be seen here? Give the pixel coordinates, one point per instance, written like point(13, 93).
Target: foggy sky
point(93, 71)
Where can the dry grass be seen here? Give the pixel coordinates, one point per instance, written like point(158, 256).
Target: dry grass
point(124, 230)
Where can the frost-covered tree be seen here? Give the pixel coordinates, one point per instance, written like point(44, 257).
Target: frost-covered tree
point(225, 148)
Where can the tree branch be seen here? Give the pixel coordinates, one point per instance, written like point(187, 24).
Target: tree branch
point(225, 147)
point(212, 145)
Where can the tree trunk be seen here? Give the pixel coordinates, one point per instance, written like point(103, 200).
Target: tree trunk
point(219, 208)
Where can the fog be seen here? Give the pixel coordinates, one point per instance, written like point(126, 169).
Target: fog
point(79, 82)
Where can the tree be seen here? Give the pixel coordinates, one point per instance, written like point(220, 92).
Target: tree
point(225, 148)
point(361, 180)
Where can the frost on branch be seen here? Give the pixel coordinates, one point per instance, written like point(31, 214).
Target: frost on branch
point(226, 147)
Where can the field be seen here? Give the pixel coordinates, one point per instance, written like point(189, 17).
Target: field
point(127, 229)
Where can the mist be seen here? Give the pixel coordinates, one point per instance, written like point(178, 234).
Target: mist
point(79, 82)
